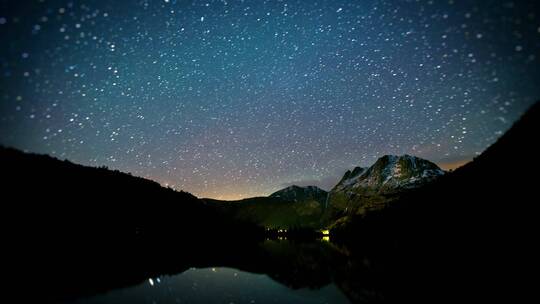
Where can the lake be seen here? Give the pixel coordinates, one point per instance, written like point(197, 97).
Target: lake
point(271, 271)
point(267, 271)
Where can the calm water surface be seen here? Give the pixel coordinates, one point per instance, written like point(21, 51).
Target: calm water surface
point(217, 285)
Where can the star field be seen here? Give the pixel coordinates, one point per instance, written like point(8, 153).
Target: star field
point(230, 99)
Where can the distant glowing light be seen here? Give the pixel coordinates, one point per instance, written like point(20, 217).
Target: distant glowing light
point(325, 235)
point(151, 282)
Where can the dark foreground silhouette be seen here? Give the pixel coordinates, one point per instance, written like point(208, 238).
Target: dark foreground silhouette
point(477, 224)
point(58, 199)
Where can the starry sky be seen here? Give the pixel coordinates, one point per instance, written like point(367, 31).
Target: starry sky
point(230, 99)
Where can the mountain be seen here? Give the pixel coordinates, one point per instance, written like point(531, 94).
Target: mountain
point(390, 173)
point(366, 189)
point(359, 191)
point(293, 206)
point(300, 194)
point(493, 188)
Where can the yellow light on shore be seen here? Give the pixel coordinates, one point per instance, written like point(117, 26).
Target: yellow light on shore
point(325, 232)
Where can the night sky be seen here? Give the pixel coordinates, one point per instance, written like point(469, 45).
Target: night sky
point(230, 99)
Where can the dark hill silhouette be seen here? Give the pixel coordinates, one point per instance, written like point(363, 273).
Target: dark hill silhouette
point(291, 207)
point(49, 196)
point(272, 212)
point(479, 219)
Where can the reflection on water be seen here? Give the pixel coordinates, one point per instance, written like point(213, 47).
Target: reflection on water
point(217, 285)
point(168, 270)
point(272, 271)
